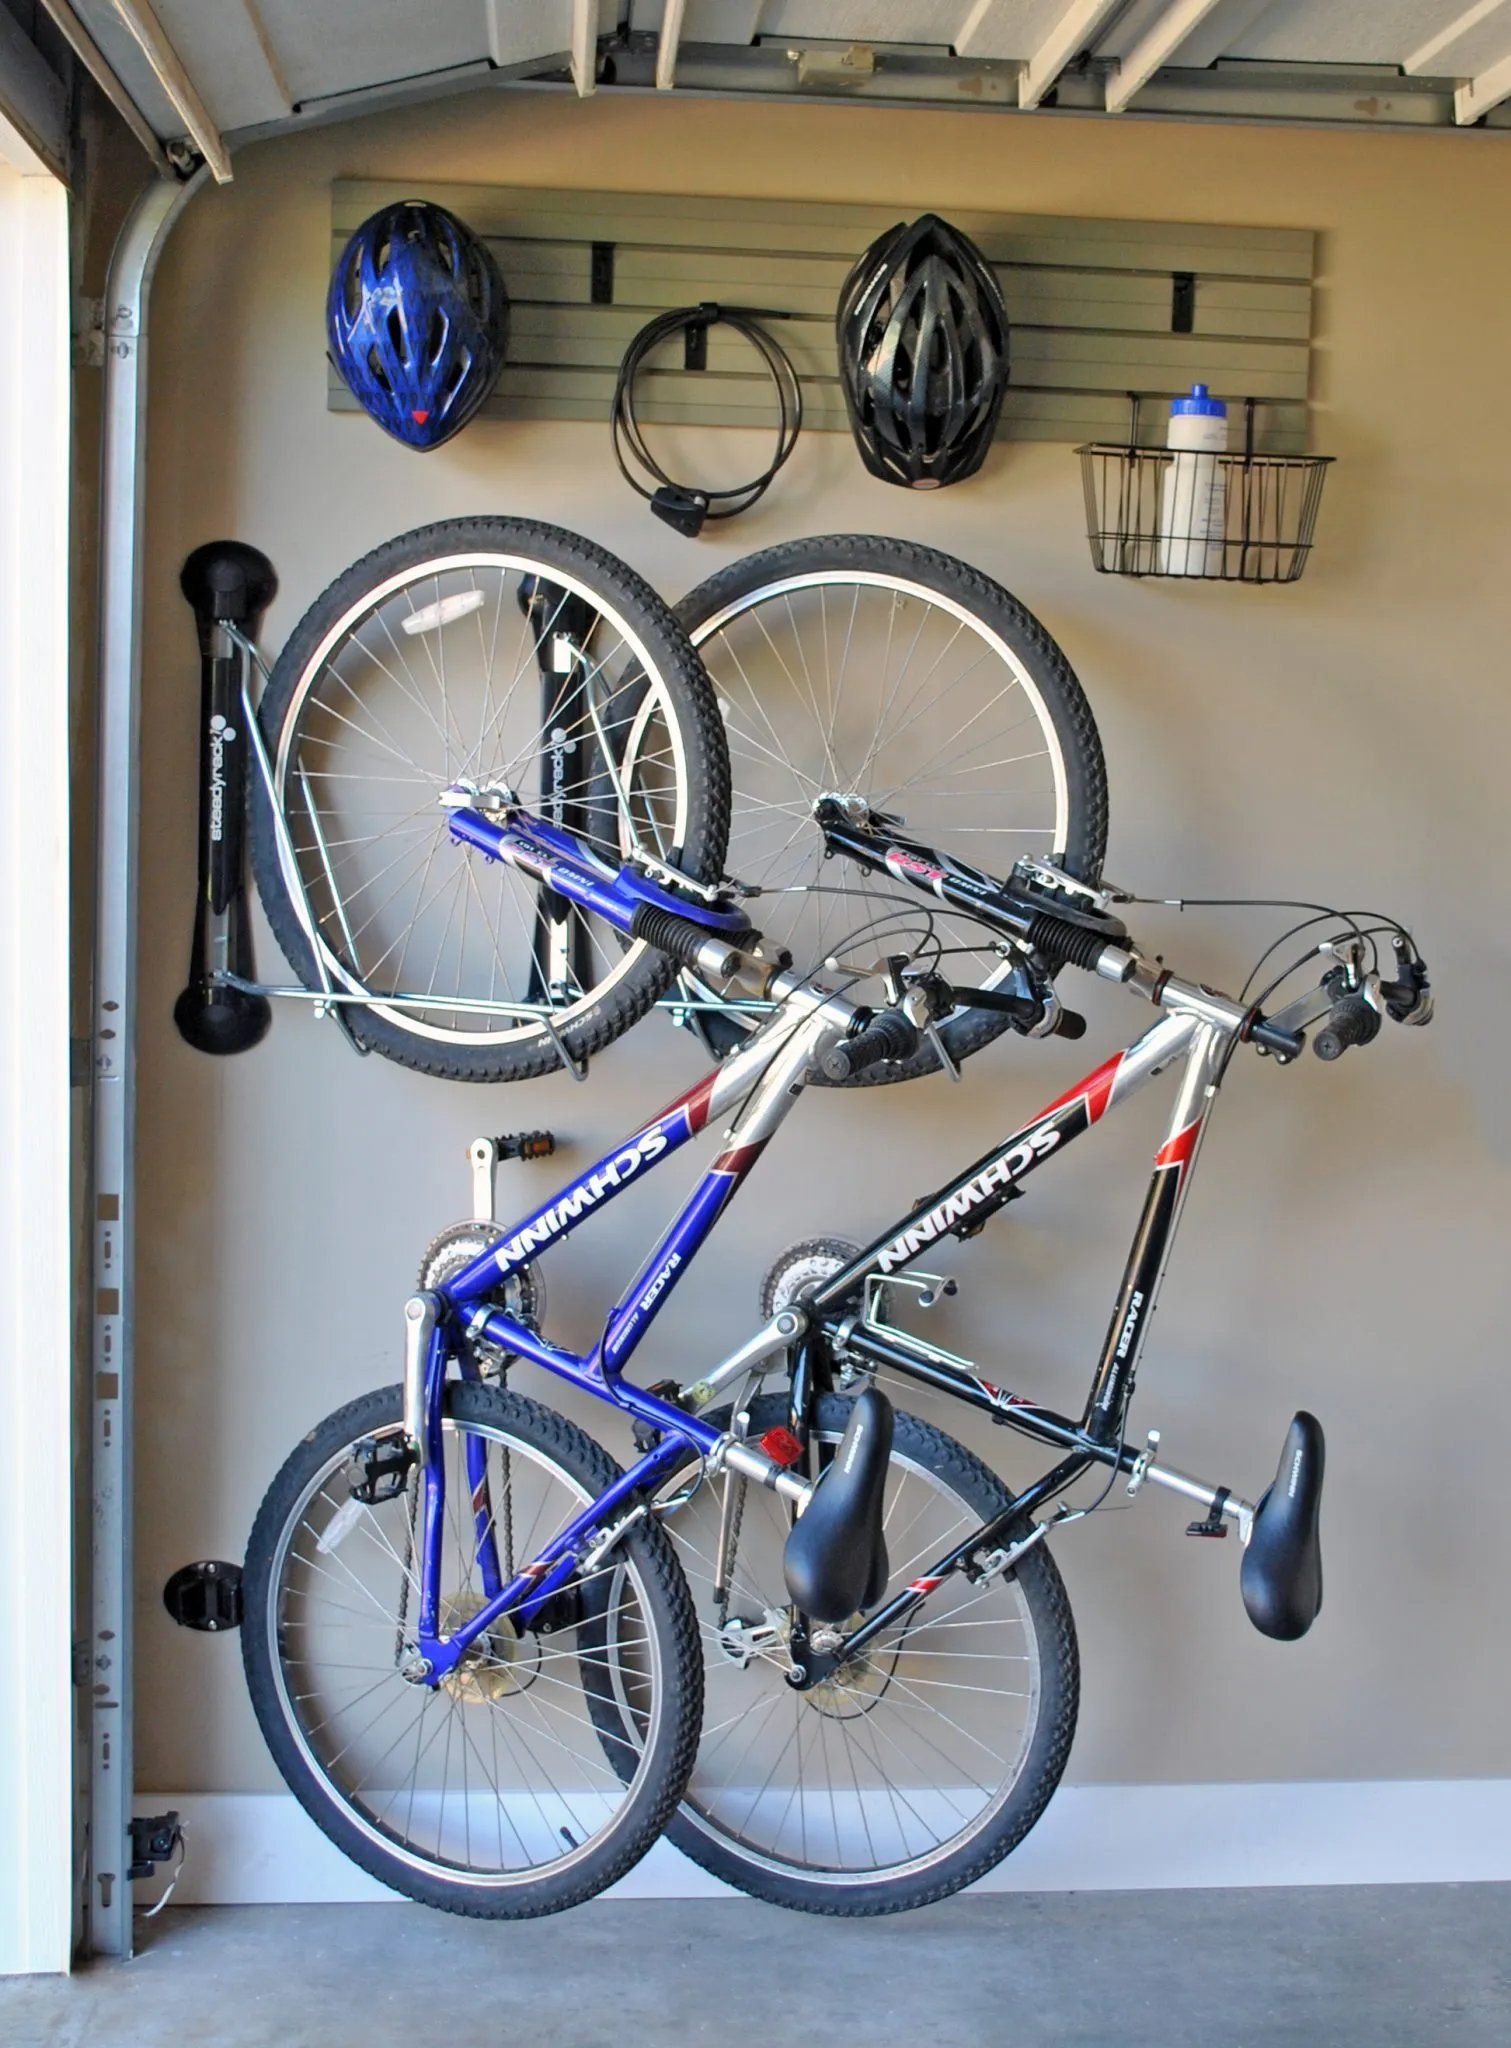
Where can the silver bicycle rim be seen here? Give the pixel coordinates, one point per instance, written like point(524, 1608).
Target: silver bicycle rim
point(868, 683)
point(530, 1724)
point(885, 1776)
point(406, 723)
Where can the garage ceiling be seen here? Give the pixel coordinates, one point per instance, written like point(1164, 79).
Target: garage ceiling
point(225, 72)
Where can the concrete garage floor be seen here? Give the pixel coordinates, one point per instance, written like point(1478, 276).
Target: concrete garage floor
point(1335, 1967)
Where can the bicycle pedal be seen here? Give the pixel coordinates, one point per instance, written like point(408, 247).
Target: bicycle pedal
point(379, 1470)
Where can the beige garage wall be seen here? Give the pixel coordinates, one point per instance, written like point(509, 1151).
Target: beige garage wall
point(1348, 738)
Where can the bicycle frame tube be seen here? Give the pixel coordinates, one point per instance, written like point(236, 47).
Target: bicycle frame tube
point(995, 1177)
point(1098, 1437)
point(769, 1075)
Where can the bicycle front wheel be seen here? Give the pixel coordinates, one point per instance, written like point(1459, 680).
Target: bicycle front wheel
point(490, 1793)
point(511, 657)
point(876, 670)
point(918, 1765)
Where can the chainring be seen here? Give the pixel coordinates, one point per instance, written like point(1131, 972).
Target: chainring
point(805, 1264)
point(522, 1295)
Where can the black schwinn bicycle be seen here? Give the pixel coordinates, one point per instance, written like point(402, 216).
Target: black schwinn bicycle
point(886, 1762)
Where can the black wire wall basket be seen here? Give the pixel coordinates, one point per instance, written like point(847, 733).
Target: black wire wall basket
point(1218, 518)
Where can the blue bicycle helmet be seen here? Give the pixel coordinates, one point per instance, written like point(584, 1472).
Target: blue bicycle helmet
point(418, 320)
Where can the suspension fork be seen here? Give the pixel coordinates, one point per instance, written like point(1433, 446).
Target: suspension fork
point(559, 945)
point(428, 1349)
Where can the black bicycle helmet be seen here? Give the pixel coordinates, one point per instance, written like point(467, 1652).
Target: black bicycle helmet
point(418, 321)
point(923, 354)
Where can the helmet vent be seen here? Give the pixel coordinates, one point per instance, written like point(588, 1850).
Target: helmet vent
point(453, 379)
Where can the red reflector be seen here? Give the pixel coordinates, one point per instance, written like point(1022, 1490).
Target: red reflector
point(419, 418)
point(781, 1446)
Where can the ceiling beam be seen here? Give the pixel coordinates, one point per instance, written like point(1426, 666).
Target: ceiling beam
point(1070, 33)
point(94, 61)
point(152, 39)
point(1475, 99)
point(269, 54)
point(585, 46)
point(1444, 56)
point(1156, 46)
point(666, 44)
point(1435, 57)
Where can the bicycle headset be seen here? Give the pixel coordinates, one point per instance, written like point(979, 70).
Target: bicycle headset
point(418, 321)
point(923, 354)
point(685, 507)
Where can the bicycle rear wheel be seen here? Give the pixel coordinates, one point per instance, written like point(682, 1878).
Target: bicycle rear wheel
point(914, 1770)
point(488, 1794)
point(507, 655)
point(855, 666)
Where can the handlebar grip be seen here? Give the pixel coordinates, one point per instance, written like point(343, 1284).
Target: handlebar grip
point(889, 1036)
point(1352, 1021)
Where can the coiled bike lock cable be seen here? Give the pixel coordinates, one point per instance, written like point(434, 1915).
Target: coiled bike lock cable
point(685, 507)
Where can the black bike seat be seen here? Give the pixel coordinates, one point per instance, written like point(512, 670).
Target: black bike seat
point(836, 1556)
point(1281, 1575)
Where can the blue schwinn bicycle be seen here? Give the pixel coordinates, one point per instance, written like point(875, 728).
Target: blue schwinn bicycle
point(470, 1641)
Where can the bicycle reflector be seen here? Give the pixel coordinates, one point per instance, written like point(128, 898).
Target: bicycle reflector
point(781, 1446)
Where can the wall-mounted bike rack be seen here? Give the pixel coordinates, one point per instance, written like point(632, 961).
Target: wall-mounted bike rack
point(690, 1001)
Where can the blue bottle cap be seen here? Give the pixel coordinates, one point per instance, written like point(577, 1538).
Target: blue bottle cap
point(1200, 400)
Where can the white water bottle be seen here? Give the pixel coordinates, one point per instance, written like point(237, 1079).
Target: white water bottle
point(1193, 495)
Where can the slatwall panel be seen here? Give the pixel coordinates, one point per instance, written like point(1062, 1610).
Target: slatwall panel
point(1092, 304)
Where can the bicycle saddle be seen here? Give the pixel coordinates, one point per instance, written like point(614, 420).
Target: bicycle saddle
point(1281, 1574)
point(836, 1556)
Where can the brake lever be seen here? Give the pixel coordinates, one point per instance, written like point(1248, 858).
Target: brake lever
point(1409, 999)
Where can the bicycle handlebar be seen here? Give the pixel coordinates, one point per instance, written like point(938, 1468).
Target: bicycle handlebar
point(1049, 915)
point(1275, 1038)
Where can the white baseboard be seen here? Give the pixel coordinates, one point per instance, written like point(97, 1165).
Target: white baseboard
point(261, 1849)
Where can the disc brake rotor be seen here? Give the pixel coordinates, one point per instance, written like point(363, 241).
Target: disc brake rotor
point(500, 1662)
point(854, 1687)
